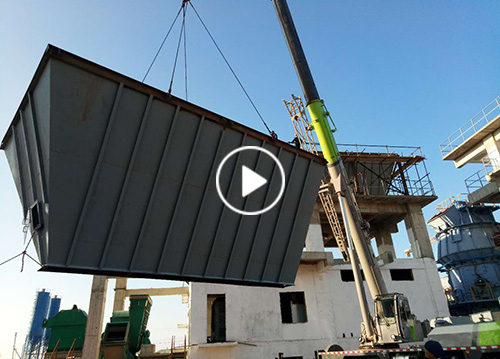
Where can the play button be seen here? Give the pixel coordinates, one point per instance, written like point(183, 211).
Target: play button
point(250, 181)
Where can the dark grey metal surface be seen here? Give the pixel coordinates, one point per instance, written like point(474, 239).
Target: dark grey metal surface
point(122, 177)
point(296, 52)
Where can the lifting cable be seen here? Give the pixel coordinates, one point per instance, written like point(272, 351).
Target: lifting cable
point(182, 38)
point(185, 55)
point(163, 43)
point(272, 133)
point(23, 254)
point(183, 26)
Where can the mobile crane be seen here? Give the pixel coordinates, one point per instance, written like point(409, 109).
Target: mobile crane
point(393, 323)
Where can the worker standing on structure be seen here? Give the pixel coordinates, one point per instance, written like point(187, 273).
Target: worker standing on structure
point(295, 140)
point(433, 350)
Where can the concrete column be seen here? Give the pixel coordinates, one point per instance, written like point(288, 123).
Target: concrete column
point(417, 232)
point(383, 238)
point(120, 288)
point(92, 343)
point(493, 150)
point(314, 238)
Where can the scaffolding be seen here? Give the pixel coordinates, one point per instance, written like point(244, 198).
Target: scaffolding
point(308, 143)
point(376, 173)
point(373, 170)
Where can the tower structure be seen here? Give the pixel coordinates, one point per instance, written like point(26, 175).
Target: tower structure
point(469, 252)
point(34, 345)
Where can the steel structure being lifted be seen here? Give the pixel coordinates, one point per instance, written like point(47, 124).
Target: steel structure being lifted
point(119, 178)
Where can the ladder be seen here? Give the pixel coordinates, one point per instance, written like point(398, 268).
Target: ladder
point(307, 141)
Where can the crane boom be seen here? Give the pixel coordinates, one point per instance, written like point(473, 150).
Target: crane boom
point(360, 250)
point(403, 326)
point(319, 122)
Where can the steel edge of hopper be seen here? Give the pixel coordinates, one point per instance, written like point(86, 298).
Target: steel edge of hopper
point(59, 54)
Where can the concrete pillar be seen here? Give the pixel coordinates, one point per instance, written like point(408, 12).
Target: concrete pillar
point(314, 238)
point(493, 151)
point(417, 232)
point(120, 288)
point(383, 238)
point(92, 343)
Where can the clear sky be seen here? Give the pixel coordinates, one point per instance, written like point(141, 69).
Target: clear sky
point(391, 72)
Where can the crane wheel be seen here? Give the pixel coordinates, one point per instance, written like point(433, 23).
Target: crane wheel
point(334, 348)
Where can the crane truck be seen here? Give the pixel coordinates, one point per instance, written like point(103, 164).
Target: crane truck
point(393, 323)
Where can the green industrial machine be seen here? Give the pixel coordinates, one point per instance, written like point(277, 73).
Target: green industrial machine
point(67, 330)
point(126, 331)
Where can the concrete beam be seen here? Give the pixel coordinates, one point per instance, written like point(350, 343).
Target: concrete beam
point(417, 232)
point(472, 156)
point(314, 237)
point(158, 291)
point(120, 287)
point(92, 342)
point(384, 241)
point(486, 194)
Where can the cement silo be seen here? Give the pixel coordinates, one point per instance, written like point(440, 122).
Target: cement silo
point(55, 305)
point(34, 346)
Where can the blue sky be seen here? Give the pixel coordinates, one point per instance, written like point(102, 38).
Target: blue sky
point(391, 72)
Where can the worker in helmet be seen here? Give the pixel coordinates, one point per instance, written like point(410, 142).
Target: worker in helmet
point(433, 350)
point(295, 140)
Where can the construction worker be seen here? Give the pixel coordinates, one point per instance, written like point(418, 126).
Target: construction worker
point(433, 350)
point(295, 140)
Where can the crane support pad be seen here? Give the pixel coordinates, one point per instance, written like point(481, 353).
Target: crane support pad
point(118, 178)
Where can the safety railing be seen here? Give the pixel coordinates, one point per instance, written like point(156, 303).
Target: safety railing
point(359, 149)
point(450, 201)
point(478, 179)
point(483, 117)
point(412, 180)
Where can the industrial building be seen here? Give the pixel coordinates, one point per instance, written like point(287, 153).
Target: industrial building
point(467, 233)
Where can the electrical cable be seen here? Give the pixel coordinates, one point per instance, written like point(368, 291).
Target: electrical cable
point(234, 74)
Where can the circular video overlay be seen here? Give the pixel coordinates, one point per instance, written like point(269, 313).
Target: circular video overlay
point(251, 181)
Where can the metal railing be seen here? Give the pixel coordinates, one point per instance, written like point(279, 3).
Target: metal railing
point(483, 117)
point(358, 149)
point(450, 201)
point(412, 181)
point(478, 179)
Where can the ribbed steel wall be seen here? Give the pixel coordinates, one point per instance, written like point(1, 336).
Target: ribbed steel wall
point(122, 176)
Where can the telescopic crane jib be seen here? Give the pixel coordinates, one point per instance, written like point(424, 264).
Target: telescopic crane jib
point(393, 322)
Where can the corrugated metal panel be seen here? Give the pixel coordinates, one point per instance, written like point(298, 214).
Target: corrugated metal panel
point(122, 176)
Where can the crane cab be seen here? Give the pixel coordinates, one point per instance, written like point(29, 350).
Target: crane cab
point(394, 321)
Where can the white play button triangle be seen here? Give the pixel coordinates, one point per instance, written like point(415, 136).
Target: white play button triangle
point(250, 181)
